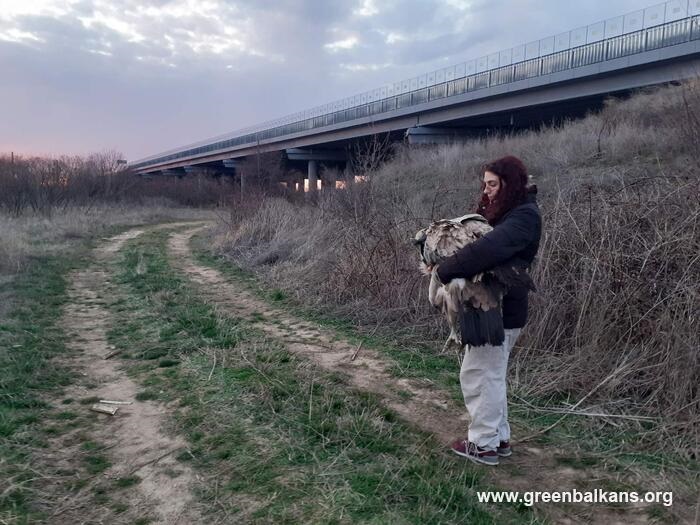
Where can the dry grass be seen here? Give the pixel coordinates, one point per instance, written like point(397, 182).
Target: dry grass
point(32, 235)
point(618, 268)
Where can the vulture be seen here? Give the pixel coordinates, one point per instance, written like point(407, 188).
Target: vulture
point(472, 306)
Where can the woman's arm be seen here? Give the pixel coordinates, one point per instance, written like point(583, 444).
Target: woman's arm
point(501, 244)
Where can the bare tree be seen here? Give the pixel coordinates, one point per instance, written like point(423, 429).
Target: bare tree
point(366, 156)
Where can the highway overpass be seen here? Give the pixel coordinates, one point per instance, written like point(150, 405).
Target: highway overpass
point(557, 75)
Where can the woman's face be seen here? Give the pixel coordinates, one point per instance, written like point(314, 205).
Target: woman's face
point(492, 184)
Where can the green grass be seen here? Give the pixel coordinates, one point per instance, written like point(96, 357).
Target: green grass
point(146, 395)
point(30, 339)
point(295, 443)
point(128, 481)
point(96, 463)
point(166, 363)
point(32, 371)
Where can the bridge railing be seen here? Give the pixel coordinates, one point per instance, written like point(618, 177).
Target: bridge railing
point(422, 90)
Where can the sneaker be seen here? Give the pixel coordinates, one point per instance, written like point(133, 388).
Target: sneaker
point(504, 449)
point(469, 450)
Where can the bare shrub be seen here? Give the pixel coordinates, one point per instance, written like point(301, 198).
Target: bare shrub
point(198, 190)
point(43, 185)
point(619, 280)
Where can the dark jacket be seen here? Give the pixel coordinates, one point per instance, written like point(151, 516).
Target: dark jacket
point(514, 240)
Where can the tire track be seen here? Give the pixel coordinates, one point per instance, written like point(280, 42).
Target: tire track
point(134, 437)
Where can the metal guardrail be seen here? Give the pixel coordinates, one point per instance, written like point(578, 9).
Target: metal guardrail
point(602, 41)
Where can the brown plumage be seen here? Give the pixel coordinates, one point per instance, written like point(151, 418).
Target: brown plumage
point(472, 307)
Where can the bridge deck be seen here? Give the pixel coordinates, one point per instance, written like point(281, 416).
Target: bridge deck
point(647, 56)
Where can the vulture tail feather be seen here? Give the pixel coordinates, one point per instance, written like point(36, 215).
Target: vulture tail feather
point(480, 327)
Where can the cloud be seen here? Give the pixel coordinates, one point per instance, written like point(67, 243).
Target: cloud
point(168, 31)
point(17, 35)
point(366, 8)
point(338, 45)
point(364, 67)
point(142, 76)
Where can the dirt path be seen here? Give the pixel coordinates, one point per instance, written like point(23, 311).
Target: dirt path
point(134, 439)
point(429, 409)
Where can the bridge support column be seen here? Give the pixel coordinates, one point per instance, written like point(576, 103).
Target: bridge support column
point(235, 166)
point(313, 176)
point(313, 157)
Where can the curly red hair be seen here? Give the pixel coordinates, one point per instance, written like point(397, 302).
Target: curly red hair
point(513, 191)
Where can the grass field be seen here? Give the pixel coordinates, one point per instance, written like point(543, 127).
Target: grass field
point(270, 436)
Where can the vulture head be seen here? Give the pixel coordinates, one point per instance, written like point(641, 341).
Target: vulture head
point(472, 307)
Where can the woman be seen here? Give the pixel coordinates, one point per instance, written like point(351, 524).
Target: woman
point(509, 204)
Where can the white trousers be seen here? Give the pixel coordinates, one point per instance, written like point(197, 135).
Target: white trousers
point(483, 381)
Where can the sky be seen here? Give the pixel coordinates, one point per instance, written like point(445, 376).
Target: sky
point(144, 76)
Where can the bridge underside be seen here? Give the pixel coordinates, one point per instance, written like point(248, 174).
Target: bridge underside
point(518, 105)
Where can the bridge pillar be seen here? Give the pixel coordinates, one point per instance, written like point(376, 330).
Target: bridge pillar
point(235, 166)
point(313, 176)
point(313, 157)
point(429, 135)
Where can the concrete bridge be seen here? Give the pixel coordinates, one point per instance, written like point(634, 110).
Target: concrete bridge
point(557, 76)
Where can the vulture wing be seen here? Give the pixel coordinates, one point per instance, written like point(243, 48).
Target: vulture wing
point(472, 308)
point(443, 238)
